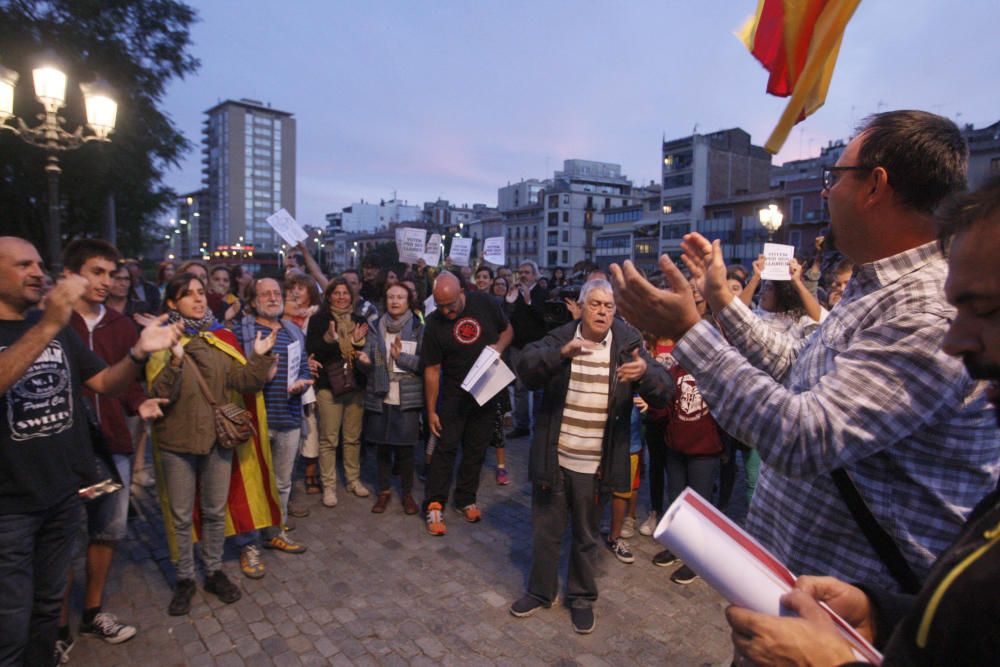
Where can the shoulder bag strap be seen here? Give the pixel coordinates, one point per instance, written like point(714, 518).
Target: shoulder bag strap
point(880, 540)
point(201, 380)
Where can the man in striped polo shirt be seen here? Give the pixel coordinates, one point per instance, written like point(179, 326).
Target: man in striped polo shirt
point(283, 401)
point(590, 370)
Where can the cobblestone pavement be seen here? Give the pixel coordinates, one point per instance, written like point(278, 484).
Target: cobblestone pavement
point(378, 590)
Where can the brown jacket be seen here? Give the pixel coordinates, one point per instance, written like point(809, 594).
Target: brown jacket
point(188, 425)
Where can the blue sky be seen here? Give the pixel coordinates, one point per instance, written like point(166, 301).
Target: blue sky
point(453, 99)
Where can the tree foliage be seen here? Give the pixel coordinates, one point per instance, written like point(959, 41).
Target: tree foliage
point(138, 46)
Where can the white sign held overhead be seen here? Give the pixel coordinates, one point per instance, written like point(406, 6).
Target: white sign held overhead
point(432, 256)
point(410, 244)
point(494, 250)
point(776, 259)
point(287, 228)
point(460, 250)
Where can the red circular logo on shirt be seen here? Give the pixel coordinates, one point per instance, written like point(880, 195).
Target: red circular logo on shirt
point(467, 330)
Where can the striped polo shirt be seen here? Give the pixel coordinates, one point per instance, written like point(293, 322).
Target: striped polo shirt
point(581, 433)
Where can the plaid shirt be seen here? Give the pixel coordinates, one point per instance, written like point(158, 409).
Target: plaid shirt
point(870, 391)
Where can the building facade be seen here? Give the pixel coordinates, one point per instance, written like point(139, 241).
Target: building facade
point(248, 171)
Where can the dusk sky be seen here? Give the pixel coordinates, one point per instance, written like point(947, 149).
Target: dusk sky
point(454, 99)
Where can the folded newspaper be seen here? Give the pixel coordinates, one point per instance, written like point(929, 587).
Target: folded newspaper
point(738, 567)
point(487, 376)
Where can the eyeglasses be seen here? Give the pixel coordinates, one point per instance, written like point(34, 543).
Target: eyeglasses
point(829, 178)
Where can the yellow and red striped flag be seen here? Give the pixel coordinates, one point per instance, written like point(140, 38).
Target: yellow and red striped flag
point(797, 41)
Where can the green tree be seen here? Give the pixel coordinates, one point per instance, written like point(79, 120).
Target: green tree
point(138, 46)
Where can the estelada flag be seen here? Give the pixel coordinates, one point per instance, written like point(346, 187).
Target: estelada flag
point(253, 501)
point(797, 41)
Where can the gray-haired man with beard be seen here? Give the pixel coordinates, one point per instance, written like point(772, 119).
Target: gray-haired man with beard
point(290, 377)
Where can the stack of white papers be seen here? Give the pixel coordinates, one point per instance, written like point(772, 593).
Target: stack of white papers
point(488, 376)
point(738, 567)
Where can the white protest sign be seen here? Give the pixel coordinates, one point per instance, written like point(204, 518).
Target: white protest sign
point(294, 360)
point(283, 223)
point(495, 250)
point(776, 259)
point(410, 243)
point(460, 250)
point(433, 253)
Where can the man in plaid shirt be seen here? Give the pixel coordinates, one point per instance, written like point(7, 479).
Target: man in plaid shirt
point(870, 391)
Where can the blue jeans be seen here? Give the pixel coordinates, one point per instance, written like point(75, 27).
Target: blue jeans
point(211, 473)
point(35, 554)
point(698, 472)
point(107, 517)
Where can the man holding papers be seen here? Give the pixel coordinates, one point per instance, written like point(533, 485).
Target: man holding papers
point(454, 337)
point(580, 449)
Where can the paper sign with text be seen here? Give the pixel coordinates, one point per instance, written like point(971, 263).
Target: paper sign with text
point(776, 259)
point(410, 244)
point(287, 228)
point(460, 250)
point(494, 250)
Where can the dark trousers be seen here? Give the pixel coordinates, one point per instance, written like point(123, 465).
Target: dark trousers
point(657, 465)
point(698, 472)
point(403, 455)
point(35, 554)
point(572, 500)
point(463, 423)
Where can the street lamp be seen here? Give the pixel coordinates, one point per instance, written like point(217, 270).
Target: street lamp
point(771, 218)
point(50, 135)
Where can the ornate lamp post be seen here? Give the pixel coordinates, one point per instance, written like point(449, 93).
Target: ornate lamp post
point(770, 219)
point(51, 136)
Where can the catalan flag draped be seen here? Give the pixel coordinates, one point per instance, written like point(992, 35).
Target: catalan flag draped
point(797, 41)
point(253, 494)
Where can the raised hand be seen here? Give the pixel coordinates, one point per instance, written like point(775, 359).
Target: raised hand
point(396, 348)
point(158, 336)
point(273, 370)
point(144, 319)
point(150, 408)
point(232, 311)
point(632, 370)
point(299, 386)
point(359, 333)
point(758, 265)
point(314, 366)
point(795, 270)
point(577, 347)
point(331, 336)
point(708, 269)
point(60, 300)
point(262, 345)
point(666, 313)
point(363, 359)
point(573, 307)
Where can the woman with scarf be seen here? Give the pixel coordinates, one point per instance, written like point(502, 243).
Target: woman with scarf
point(334, 336)
point(394, 397)
point(191, 462)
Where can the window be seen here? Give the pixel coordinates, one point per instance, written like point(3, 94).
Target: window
point(590, 204)
point(677, 181)
point(566, 200)
point(565, 257)
point(553, 218)
point(565, 236)
point(675, 230)
point(565, 216)
point(554, 201)
point(552, 238)
point(553, 258)
point(607, 202)
point(796, 209)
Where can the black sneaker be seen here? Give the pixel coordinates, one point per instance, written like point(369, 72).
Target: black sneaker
point(180, 604)
point(665, 558)
point(583, 619)
point(527, 606)
point(621, 551)
point(107, 627)
point(683, 576)
point(219, 585)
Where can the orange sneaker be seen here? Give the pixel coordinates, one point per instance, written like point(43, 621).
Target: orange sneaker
point(470, 512)
point(435, 520)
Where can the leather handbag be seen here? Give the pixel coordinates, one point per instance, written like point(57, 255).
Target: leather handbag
point(340, 373)
point(233, 424)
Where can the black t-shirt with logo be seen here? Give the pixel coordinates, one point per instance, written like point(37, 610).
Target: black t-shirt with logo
point(456, 344)
point(43, 427)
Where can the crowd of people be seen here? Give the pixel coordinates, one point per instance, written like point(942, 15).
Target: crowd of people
point(865, 441)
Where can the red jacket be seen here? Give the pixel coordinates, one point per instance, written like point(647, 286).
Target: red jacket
point(111, 340)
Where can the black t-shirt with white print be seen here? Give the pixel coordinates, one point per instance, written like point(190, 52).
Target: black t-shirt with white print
point(456, 344)
point(42, 423)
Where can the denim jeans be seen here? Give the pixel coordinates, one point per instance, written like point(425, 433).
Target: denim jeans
point(698, 472)
point(35, 554)
point(107, 517)
point(284, 449)
point(572, 500)
point(211, 473)
point(524, 415)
